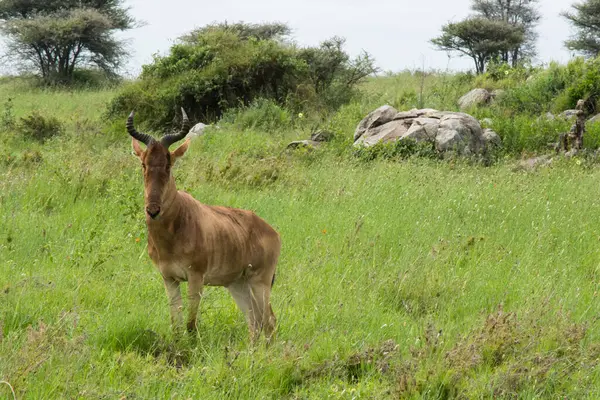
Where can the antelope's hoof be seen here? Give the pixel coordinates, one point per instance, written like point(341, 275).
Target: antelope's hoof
point(191, 327)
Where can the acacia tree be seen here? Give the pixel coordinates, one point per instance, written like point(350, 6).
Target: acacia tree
point(585, 18)
point(481, 39)
point(54, 37)
point(518, 13)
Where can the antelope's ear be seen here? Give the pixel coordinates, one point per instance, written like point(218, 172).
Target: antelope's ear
point(137, 149)
point(180, 151)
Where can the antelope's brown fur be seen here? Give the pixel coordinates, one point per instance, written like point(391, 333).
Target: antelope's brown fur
point(206, 245)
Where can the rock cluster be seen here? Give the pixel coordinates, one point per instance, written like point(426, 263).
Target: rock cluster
point(447, 130)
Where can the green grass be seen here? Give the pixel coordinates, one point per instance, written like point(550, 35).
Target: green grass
point(413, 279)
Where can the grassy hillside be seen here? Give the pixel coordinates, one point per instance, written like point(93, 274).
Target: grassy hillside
point(412, 279)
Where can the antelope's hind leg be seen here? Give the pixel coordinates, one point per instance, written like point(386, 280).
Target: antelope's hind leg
point(253, 299)
point(240, 291)
point(261, 304)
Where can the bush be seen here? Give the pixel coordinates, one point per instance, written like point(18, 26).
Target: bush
point(503, 75)
point(93, 78)
point(260, 114)
point(220, 67)
point(38, 127)
point(557, 88)
point(7, 121)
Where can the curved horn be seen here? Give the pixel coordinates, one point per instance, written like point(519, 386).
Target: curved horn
point(142, 137)
point(168, 140)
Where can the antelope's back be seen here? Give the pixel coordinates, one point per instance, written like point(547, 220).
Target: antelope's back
point(238, 237)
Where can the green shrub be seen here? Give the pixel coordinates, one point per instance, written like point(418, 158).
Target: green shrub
point(557, 88)
point(261, 114)
point(538, 93)
point(93, 78)
point(7, 120)
point(38, 127)
point(522, 133)
point(220, 67)
point(504, 75)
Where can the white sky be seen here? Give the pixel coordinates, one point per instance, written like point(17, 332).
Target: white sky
point(395, 32)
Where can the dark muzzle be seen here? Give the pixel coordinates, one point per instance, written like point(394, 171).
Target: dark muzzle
point(153, 210)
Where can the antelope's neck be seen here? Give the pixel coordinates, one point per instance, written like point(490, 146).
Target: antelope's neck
point(170, 215)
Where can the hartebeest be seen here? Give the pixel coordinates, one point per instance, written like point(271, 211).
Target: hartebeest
point(202, 244)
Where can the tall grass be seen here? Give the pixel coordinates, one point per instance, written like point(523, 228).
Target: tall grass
point(413, 279)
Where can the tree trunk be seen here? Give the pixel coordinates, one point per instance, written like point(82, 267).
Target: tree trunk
point(476, 61)
point(515, 57)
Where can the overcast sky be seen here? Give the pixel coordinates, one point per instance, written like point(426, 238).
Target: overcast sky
point(395, 32)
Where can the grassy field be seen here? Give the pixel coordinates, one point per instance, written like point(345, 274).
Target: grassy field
point(413, 279)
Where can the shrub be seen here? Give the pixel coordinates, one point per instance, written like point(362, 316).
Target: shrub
point(38, 127)
point(93, 78)
point(557, 88)
point(7, 120)
point(260, 114)
point(501, 74)
point(220, 67)
point(537, 94)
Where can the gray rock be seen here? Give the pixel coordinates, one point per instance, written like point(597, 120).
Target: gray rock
point(531, 78)
point(487, 122)
point(448, 130)
point(197, 130)
point(321, 136)
point(498, 93)
point(571, 153)
point(533, 163)
point(380, 116)
point(383, 133)
point(415, 113)
point(310, 144)
point(491, 139)
point(476, 97)
point(459, 132)
point(568, 114)
point(423, 129)
point(595, 119)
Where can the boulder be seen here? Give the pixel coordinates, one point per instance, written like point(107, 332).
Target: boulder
point(423, 129)
point(384, 133)
point(476, 97)
point(487, 122)
point(310, 144)
point(197, 130)
point(491, 139)
point(533, 163)
point(595, 119)
point(415, 113)
point(380, 116)
point(321, 136)
point(447, 130)
point(568, 114)
point(459, 132)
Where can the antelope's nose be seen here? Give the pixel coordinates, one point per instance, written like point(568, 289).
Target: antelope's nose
point(153, 211)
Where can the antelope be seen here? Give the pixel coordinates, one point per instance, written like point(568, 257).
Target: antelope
point(203, 244)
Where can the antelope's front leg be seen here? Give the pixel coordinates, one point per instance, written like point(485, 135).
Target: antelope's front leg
point(195, 286)
point(175, 303)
